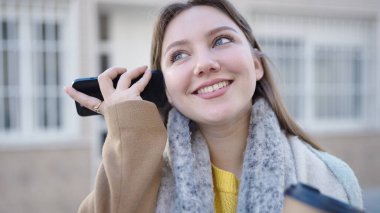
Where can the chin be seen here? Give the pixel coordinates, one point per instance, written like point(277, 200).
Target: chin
point(216, 118)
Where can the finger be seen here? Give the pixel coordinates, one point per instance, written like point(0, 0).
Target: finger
point(84, 100)
point(143, 82)
point(126, 79)
point(105, 80)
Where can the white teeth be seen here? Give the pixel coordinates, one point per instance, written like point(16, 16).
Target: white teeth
point(213, 88)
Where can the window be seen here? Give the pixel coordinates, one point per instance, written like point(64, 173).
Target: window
point(31, 67)
point(9, 75)
point(338, 82)
point(323, 66)
point(288, 57)
point(104, 39)
point(47, 58)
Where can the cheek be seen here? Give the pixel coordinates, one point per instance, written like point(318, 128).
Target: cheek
point(169, 92)
point(238, 60)
point(241, 62)
point(175, 85)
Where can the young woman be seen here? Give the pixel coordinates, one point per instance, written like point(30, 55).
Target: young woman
point(227, 143)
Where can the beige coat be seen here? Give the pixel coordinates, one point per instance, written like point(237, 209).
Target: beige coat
point(129, 176)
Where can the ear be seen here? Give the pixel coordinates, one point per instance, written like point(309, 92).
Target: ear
point(259, 69)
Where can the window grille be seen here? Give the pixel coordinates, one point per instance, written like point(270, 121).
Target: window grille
point(47, 55)
point(338, 82)
point(323, 66)
point(9, 81)
point(288, 58)
point(31, 61)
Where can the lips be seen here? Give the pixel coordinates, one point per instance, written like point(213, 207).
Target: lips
point(212, 87)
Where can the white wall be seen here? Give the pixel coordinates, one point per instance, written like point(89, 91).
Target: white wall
point(130, 36)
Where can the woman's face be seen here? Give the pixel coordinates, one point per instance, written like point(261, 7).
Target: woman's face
point(209, 69)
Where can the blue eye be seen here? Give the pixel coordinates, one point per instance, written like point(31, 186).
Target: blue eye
point(177, 56)
point(222, 40)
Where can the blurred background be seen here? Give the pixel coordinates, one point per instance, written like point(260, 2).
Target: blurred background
point(326, 54)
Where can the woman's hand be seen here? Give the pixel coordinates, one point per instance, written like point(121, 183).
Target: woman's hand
point(123, 92)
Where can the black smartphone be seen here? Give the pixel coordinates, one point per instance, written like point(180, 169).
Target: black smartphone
point(153, 92)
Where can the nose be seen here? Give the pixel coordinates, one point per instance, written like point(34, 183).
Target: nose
point(206, 64)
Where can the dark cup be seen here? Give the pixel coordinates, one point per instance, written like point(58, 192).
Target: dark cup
point(306, 199)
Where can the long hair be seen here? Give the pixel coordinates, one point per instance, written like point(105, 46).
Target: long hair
point(265, 88)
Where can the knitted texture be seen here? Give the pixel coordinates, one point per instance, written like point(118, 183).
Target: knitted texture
point(268, 167)
point(226, 187)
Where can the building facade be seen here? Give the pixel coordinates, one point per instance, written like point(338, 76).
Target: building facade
point(326, 55)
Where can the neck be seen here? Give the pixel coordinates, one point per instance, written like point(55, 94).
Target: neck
point(227, 143)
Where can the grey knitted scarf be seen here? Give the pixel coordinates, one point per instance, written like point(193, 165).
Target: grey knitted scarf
point(268, 167)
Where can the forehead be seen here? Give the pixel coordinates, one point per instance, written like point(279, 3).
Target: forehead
point(196, 20)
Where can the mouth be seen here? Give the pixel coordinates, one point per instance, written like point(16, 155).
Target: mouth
point(213, 87)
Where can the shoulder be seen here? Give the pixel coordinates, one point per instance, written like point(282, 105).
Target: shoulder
point(326, 172)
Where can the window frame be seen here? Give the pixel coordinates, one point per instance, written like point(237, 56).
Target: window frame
point(28, 14)
point(288, 27)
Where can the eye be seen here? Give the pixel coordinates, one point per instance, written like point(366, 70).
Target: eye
point(222, 40)
point(178, 56)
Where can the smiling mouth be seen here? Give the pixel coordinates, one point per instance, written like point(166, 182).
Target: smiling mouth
point(213, 88)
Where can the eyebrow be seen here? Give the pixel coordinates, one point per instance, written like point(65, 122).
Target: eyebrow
point(212, 32)
point(222, 28)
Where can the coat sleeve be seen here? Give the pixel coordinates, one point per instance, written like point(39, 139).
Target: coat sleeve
point(129, 175)
point(345, 176)
point(330, 175)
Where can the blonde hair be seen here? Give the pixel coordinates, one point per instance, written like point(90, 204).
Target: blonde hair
point(265, 88)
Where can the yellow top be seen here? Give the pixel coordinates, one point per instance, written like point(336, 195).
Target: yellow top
point(226, 188)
